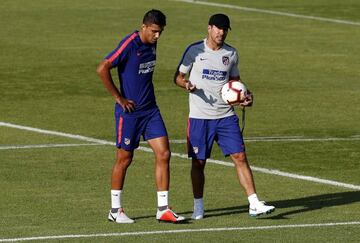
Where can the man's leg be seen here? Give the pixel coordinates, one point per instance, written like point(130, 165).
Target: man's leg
point(246, 179)
point(198, 182)
point(198, 177)
point(244, 172)
point(201, 136)
point(123, 160)
point(161, 149)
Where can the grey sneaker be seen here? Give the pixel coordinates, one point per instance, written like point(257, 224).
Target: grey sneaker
point(198, 213)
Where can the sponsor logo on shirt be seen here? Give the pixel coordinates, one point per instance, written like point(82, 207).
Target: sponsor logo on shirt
point(214, 75)
point(147, 67)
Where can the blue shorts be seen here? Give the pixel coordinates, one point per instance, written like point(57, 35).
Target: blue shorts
point(203, 132)
point(129, 127)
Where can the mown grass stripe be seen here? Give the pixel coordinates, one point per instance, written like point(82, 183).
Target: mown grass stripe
point(32, 146)
point(184, 156)
point(258, 10)
point(139, 233)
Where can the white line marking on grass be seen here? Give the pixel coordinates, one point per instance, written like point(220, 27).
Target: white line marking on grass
point(300, 139)
point(282, 139)
point(290, 175)
point(338, 21)
point(184, 156)
point(48, 146)
point(157, 232)
point(60, 134)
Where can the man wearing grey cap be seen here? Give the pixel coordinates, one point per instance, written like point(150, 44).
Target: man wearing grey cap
point(204, 68)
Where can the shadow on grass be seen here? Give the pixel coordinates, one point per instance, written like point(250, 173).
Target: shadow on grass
point(186, 221)
point(314, 203)
point(306, 203)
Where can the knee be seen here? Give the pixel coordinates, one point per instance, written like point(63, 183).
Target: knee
point(198, 164)
point(164, 155)
point(239, 158)
point(123, 161)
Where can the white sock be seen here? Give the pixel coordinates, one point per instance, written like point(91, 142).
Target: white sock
point(253, 199)
point(198, 203)
point(162, 198)
point(116, 198)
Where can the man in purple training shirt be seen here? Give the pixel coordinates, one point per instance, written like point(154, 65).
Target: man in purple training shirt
point(137, 114)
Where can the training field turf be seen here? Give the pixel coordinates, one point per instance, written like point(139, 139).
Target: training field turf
point(299, 58)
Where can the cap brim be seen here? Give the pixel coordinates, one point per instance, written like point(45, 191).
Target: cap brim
point(223, 27)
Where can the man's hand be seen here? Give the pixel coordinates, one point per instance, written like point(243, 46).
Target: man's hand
point(179, 79)
point(190, 87)
point(249, 99)
point(127, 105)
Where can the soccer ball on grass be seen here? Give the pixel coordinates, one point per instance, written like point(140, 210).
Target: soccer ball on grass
point(234, 92)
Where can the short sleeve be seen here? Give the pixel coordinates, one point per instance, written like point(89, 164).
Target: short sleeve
point(186, 62)
point(120, 52)
point(116, 56)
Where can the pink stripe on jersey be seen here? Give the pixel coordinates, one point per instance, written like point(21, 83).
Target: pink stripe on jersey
point(122, 47)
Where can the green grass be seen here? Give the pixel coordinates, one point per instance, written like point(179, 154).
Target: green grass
point(305, 78)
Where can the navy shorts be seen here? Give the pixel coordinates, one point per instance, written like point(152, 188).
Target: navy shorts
point(130, 127)
point(203, 132)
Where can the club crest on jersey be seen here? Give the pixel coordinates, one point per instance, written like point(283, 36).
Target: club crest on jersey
point(127, 141)
point(225, 60)
point(196, 150)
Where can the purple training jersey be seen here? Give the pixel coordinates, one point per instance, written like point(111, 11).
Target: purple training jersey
point(135, 62)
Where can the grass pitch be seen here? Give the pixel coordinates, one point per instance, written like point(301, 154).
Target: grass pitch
point(305, 77)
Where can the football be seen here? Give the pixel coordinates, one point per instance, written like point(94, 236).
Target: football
point(233, 92)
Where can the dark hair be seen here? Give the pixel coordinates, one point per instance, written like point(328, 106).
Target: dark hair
point(155, 16)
